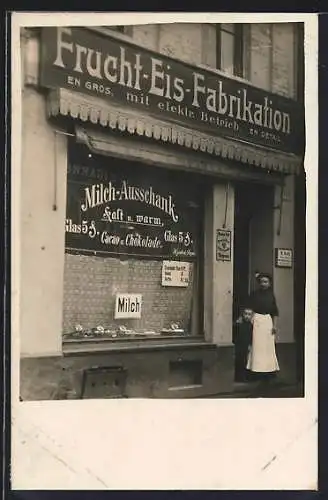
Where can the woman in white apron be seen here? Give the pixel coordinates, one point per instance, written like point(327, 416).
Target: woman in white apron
point(262, 358)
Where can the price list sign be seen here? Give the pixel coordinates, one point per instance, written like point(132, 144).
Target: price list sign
point(126, 211)
point(175, 273)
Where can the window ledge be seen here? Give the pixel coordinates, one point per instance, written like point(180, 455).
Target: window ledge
point(100, 346)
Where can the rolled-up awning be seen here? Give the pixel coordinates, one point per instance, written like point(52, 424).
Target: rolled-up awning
point(96, 111)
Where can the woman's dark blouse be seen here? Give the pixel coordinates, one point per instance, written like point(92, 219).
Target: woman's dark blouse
point(263, 302)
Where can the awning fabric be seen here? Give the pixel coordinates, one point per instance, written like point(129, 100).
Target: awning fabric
point(94, 110)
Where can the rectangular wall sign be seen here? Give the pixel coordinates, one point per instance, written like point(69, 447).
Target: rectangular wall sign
point(223, 245)
point(284, 257)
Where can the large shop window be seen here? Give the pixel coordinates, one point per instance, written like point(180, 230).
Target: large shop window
point(133, 250)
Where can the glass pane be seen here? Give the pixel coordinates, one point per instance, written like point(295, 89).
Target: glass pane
point(227, 52)
point(133, 236)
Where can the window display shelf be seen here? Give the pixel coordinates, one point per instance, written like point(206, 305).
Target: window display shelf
point(80, 346)
point(117, 333)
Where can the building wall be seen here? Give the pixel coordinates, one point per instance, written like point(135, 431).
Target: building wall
point(259, 70)
point(42, 227)
point(182, 40)
point(270, 50)
point(192, 43)
point(283, 59)
point(146, 35)
point(284, 278)
point(43, 184)
point(148, 373)
point(272, 56)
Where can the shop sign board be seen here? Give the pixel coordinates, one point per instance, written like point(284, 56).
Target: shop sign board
point(122, 209)
point(128, 305)
point(176, 274)
point(223, 245)
point(120, 72)
point(284, 257)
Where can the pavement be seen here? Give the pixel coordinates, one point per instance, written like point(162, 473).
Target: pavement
point(276, 389)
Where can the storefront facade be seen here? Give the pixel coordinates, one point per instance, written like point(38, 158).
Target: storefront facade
point(153, 188)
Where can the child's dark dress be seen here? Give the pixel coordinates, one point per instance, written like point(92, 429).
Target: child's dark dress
point(242, 340)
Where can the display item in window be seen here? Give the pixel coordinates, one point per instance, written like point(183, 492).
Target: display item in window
point(173, 329)
point(121, 331)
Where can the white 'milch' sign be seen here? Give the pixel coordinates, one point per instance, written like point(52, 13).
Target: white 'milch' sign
point(128, 305)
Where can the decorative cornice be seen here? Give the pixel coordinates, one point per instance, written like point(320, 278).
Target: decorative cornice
point(90, 109)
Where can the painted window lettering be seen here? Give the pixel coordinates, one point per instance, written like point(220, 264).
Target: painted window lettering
point(113, 215)
point(109, 239)
point(98, 194)
point(148, 220)
point(136, 240)
point(92, 230)
point(122, 216)
point(70, 227)
point(84, 227)
point(187, 239)
point(170, 237)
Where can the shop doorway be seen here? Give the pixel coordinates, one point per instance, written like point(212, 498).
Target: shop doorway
point(253, 238)
point(253, 250)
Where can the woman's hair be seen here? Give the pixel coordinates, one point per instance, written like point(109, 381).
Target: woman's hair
point(259, 276)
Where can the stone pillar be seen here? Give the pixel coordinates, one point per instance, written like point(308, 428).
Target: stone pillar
point(41, 217)
point(218, 287)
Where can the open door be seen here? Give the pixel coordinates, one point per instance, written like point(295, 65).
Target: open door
point(241, 247)
point(253, 238)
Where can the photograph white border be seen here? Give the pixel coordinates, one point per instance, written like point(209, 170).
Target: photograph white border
point(158, 444)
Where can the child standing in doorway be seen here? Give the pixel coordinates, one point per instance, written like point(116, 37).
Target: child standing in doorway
point(243, 340)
